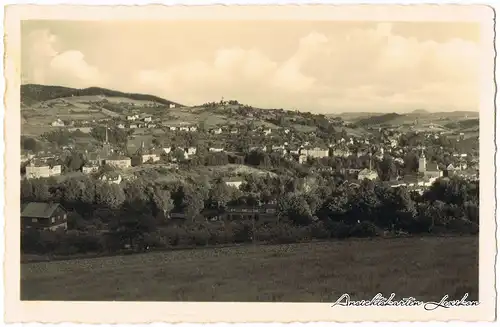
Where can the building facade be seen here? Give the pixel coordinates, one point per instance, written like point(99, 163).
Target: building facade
point(42, 215)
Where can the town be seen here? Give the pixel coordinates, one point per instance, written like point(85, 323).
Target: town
point(95, 179)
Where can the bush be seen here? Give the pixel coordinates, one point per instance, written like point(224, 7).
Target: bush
point(319, 230)
point(243, 233)
point(338, 229)
point(365, 229)
point(463, 226)
point(200, 237)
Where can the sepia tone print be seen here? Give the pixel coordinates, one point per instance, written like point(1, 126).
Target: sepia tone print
point(305, 161)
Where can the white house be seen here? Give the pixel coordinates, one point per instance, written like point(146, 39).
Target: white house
point(112, 178)
point(150, 157)
point(216, 149)
point(193, 129)
point(367, 174)
point(234, 182)
point(58, 123)
point(171, 106)
point(190, 151)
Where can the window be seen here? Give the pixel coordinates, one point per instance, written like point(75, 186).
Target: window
point(64, 216)
point(34, 220)
point(53, 219)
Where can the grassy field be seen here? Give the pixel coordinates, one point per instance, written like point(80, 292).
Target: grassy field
point(425, 268)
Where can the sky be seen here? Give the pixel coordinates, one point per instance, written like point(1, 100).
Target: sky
point(318, 66)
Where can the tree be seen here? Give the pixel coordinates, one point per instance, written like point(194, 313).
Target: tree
point(296, 208)
point(74, 162)
point(133, 223)
point(411, 162)
point(178, 155)
point(30, 144)
point(220, 195)
point(162, 200)
point(110, 195)
point(387, 169)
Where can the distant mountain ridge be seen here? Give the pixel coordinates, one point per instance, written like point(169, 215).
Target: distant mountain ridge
point(32, 93)
point(376, 120)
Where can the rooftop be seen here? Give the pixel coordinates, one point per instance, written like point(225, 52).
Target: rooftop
point(39, 210)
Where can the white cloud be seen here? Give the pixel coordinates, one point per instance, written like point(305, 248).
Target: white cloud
point(46, 65)
point(364, 69)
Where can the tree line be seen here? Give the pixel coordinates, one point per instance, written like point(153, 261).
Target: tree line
point(103, 217)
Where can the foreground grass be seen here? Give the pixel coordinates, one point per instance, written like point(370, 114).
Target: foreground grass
point(425, 268)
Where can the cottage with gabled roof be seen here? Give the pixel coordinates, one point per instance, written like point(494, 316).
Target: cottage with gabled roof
point(44, 215)
point(111, 177)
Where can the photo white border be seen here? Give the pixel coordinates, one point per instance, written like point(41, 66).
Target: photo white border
point(146, 312)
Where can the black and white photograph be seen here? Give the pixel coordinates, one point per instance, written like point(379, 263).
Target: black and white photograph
point(259, 160)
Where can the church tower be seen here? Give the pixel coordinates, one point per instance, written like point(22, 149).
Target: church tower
point(422, 163)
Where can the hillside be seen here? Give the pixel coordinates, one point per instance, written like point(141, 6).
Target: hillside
point(377, 120)
point(33, 93)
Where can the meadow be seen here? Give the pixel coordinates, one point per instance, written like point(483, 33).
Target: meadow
point(422, 267)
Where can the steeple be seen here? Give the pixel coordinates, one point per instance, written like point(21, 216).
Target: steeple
point(422, 163)
point(106, 142)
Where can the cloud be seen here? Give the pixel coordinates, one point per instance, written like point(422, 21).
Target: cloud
point(362, 69)
point(47, 65)
point(367, 69)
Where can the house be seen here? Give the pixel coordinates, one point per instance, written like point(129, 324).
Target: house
point(40, 169)
point(216, 131)
point(118, 161)
point(234, 131)
point(368, 174)
point(26, 157)
point(121, 126)
point(193, 129)
point(171, 106)
point(133, 117)
point(58, 123)
point(172, 128)
point(315, 153)
point(94, 158)
point(111, 177)
point(150, 157)
point(88, 169)
point(190, 151)
point(469, 174)
point(259, 212)
point(167, 150)
point(234, 182)
point(267, 131)
point(132, 126)
point(341, 153)
point(184, 129)
point(151, 126)
point(148, 119)
point(216, 149)
point(302, 158)
point(432, 170)
point(44, 215)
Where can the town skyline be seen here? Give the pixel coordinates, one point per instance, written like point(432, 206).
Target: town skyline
point(389, 67)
